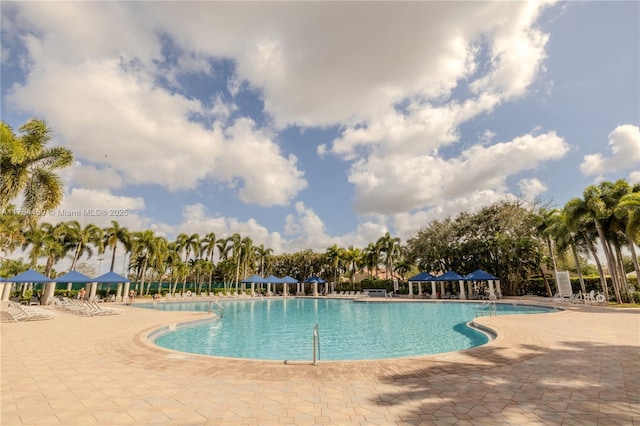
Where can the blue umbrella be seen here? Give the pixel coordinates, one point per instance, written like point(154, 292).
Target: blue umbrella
point(289, 280)
point(111, 277)
point(253, 279)
point(30, 276)
point(479, 275)
point(314, 279)
point(422, 276)
point(74, 277)
point(449, 276)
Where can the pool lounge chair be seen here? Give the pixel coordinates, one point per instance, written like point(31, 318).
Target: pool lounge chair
point(28, 313)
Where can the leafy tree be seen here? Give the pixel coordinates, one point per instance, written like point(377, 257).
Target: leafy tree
point(500, 238)
point(29, 167)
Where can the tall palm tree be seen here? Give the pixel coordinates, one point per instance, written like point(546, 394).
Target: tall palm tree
point(208, 246)
point(11, 230)
point(248, 258)
point(262, 255)
point(114, 234)
point(142, 251)
point(353, 258)
point(371, 257)
point(29, 167)
point(236, 253)
point(390, 247)
point(335, 255)
point(81, 239)
point(593, 207)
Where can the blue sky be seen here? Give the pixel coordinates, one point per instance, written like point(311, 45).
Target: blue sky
point(307, 124)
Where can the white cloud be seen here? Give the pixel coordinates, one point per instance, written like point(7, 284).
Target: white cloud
point(634, 177)
point(531, 188)
point(100, 207)
point(625, 153)
point(396, 183)
point(408, 224)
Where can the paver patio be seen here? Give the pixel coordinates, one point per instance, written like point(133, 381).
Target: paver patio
point(576, 367)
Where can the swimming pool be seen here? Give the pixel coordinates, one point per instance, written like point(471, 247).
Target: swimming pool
point(281, 329)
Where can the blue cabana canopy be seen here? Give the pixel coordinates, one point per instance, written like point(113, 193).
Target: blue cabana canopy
point(314, 279)
point(289, 280)
point(253, 279)
point(422, 276)
point(30, 276)
point(111, 277)
point(449, 276)
point(74, 277)
point(480, 275)
point(273, 280)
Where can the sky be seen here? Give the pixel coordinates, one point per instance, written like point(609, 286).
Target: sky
point(304, 124)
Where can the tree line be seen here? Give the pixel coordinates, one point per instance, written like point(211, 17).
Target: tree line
point(511, 239)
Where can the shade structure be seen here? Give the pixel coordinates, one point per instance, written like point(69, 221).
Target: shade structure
point(289, 280)
point(253, 279)
point(2, 280)
point(30, 276)
point(74, 277)
point(314, 279)
point(422, 276)
point(480, 275)
point(111, 277)
point(273, 280)
point(449, 276)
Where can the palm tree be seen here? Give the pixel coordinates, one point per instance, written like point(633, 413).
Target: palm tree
point(142, 250)
point(593, 207)
point(80, 239)
point(335, 255)
point(629, 208)
point(236, 247)
point(248, 258)
point(371, 257)
point(262, 255)
point(114, 234)
point(11, 230)
point(353, 258)
point(27, 166)
point(390, 247)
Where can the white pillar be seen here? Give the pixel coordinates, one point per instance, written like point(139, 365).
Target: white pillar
point(315, 288)
point(48, 292)
point(285, 289)
point(433, 290)
point(491, 289)
point(125, 296)
point(119, 292)
point(470, 288)
point(441, 288)
point(462, 295)
point(498, 288)
point(419, 289)
point(253, 289)
point(69, 286)
point(92, 292)
point(6, 291)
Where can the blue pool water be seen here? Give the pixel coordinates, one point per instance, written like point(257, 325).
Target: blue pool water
point(281, 329)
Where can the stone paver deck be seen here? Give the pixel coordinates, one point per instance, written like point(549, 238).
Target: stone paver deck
point(576, 367)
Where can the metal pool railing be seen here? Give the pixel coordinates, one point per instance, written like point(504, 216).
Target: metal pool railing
point(489, 306)
point(316, 343)
point(216, 304)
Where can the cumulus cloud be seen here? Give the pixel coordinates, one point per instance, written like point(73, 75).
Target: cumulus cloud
point(625, 153)
point(399, 183)
point(531, 188)
point(398, 80)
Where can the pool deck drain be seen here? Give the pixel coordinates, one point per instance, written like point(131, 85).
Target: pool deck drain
point(579, 366)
